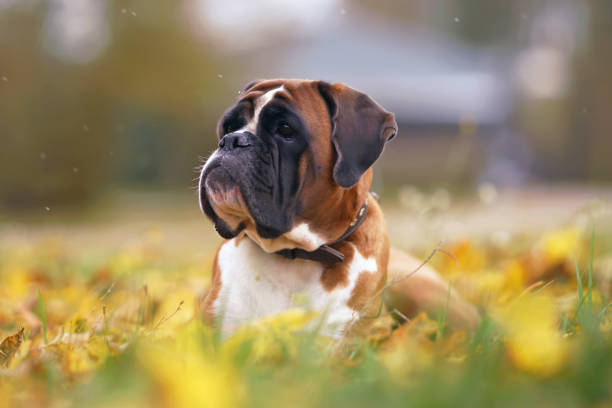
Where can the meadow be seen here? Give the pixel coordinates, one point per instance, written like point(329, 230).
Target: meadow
point(103, 309)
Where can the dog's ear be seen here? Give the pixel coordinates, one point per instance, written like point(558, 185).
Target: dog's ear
point(360, 129)
point(249, 86)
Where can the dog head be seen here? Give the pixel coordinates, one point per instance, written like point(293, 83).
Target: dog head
point(294, 162)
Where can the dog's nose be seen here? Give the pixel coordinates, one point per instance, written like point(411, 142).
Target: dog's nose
point(234, 140)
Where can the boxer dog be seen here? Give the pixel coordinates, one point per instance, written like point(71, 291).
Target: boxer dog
point(288, 189)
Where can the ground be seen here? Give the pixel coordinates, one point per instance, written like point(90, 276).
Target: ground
point(102, 308)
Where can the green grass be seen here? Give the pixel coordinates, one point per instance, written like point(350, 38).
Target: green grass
point(43, 318)
point(485, 379)
point(303, 372)
point(442, 316)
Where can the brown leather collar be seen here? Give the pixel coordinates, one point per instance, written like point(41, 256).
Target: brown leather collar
point(325, 253)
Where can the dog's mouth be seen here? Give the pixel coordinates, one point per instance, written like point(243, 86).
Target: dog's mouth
point(228, 199)
point(223, 195)
point(222, 201)
point(236, 194)
point(221, 190)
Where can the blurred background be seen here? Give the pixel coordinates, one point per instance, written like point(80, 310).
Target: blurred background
point(503, 162)
point(106, 102)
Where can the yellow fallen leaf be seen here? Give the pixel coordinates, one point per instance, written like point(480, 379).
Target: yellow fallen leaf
point(532, 338)
point(6, 393)
point(466, 258)
point(15, 284)
point(9, 347)
point(268, 337)
point(515, 276)
point(409, 349)
point(79, 353)
point(559, 245)
point(187, 374)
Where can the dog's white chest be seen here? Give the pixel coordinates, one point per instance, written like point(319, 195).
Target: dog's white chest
point(255, 284)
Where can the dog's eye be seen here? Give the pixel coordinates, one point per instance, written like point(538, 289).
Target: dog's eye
point(284, 130)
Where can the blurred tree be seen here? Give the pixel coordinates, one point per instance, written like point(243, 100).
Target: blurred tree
point(53, 141)
point(70, 129)
point(591, 143)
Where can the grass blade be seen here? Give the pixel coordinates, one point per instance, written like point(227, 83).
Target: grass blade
point(603, 311)
point(443, 316)
point(579, 312)
point(590, 277)
point(43, 318)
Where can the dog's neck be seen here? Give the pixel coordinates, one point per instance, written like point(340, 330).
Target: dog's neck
point(325, 253)
point(302, 237)
point(327, 218)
